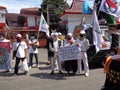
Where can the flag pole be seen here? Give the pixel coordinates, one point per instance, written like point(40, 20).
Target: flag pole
point(38, 30)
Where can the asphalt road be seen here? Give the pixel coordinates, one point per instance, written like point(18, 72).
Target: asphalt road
point(40, 79)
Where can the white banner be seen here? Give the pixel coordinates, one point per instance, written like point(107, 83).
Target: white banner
point(71, 52)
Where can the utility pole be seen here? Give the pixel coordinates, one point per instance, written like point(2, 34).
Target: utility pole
point(48, 20)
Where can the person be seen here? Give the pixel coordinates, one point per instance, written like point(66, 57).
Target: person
point(112, 71)
point(33, 51)
point(70, 64)
point(56, 43)
point(3, 39)
point(50, 53)
point(83, 43)
point(21, 48)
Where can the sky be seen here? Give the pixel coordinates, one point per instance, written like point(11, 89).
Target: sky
point(14, 6)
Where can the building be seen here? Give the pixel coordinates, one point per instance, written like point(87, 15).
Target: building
point(32, 17)
point(72, 17)
point(28, 18)
point(3, 12)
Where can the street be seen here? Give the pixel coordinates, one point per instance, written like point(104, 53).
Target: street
point(40, 79)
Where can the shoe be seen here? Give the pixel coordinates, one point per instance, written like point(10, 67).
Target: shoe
point(74, 73)
point(60, 72)
point(30, 67)
point(52, 72)
point(15, 74)
point(26, 72)
point(48, 63)
point(78, 72)
point(7, 71)
point(86, 74)
point(38, 66)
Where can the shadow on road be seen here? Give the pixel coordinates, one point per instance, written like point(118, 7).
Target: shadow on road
point(48, 76)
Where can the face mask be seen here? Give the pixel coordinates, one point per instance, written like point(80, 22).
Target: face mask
point(32, 37)
point(19, 39)
point(81, 35)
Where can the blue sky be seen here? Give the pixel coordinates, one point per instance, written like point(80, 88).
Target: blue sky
point(14, 6)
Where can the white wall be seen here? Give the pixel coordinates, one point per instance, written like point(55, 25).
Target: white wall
point(2, 16)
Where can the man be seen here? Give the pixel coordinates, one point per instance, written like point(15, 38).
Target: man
point(112, 70)
point(21, 48)
point(54, 48)
point(83, 44)
point(7, 43)
point(70, 64)
point(33, 51)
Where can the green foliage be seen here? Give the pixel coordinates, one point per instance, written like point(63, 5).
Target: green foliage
point(58, 6)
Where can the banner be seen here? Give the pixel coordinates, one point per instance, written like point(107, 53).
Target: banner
point(71, 52)
point(110, 7)
point(43, 25)
point(97, 33)
point(4, 55)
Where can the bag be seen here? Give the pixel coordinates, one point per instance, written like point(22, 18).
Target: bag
point(34, 47)
point(14, 53)
point(24, 66)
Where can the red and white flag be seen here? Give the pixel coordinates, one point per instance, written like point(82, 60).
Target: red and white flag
point(43, 25)
point(110, 7)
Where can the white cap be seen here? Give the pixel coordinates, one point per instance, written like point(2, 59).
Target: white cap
point(59, 33)
point(19, 35)
point(69, 34)
point(82, 32)
point(54, 34)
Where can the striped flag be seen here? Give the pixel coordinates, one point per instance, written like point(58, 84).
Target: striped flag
point(43, 25)
point(97, 34)
point(110, 7)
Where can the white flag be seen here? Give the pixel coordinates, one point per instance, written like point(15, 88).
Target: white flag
point(110, 7)
point(43, 25)
point(97, 34)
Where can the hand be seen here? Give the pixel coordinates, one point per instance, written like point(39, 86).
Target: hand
point(13, 61)
point(70, 42)
point(12, 58)
point(78, 44)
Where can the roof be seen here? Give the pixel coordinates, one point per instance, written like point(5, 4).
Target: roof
point(76, 8)
point(33, 10)
point(2, 7)
point(12, 17)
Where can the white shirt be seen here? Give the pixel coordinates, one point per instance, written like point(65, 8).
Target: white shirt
point(31, 50)
point(21, 49)
point(84, 44)
point(56, 45)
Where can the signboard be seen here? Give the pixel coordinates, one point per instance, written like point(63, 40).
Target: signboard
point(71, 52)
point(77, 30)
point(4, 55)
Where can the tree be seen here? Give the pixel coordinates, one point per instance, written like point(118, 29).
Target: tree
point(54, 8)
point(58, 6)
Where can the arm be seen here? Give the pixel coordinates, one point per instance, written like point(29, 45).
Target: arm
point(51, 48)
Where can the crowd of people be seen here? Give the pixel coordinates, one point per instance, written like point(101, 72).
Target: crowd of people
point(54, 42)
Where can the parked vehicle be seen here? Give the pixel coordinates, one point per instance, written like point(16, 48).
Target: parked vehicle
point(111, 42)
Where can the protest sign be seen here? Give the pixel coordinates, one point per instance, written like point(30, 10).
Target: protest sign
point(4, 55)
point(71, 52)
